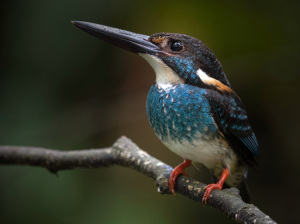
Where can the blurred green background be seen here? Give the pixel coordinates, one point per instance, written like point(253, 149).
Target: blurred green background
point(62, 88)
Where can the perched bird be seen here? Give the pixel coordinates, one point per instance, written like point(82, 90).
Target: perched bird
point(191, 106)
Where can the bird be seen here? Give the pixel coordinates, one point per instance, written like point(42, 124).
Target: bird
point(191, 106)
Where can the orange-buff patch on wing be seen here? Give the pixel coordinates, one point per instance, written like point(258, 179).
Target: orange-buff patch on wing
point(220, 86)
point(213, 82)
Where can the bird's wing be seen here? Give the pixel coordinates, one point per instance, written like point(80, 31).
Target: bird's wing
point(230, 115)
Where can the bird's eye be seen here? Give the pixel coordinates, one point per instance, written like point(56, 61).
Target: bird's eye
point(176, 46)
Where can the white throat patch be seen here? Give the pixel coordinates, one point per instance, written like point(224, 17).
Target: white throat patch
point(165, 76)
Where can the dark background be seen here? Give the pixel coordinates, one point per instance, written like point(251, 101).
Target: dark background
point(61, 88)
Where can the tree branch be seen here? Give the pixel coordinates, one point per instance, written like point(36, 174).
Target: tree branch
point(126, 153)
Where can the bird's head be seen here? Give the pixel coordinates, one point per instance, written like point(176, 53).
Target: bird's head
point(175, 58)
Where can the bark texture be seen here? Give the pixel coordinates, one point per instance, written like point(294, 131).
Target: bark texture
point(126, 153)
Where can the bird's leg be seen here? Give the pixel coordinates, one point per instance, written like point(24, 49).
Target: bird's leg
point(178, 170)
point(209, 188)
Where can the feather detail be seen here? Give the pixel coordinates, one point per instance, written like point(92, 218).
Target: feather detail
point(231, 118)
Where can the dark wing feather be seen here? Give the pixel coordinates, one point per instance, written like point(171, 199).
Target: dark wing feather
point(230, 115)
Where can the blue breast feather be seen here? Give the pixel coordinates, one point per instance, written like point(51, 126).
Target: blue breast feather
point(183, 111)
point(180, 113)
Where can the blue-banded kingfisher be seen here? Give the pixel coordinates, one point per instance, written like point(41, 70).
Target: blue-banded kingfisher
point(191, 106)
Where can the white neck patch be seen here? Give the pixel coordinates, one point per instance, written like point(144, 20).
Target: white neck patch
point(165, 76)
point(213, 82)
point(203, 76)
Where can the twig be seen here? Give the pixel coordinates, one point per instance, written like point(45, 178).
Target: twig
point(126, 153)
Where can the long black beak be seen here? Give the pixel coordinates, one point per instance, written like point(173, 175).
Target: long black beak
point(136, 43)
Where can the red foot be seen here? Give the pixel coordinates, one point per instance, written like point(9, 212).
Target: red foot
point(209, 188)
point(178, 170)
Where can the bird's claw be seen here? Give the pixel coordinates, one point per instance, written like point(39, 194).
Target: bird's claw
point(207, 191)
point(175, 173)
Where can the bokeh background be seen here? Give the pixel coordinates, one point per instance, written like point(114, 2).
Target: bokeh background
point(62, 88)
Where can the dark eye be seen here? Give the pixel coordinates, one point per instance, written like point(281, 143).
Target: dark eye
point(176, 46)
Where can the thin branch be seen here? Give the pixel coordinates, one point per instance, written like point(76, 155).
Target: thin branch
point(126, 153)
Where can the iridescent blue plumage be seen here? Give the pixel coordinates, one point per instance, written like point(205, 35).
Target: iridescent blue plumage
point(180, 112)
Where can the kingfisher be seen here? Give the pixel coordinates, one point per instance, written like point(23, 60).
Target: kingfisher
point(191, 106)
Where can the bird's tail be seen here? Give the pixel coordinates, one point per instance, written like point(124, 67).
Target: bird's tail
point(243, 188)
